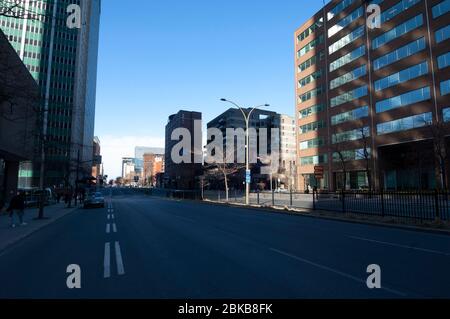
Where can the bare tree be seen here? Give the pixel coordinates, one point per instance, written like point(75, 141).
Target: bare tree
point(222, 171)
point(439, 131)
point(366, 154)
point(336, 149)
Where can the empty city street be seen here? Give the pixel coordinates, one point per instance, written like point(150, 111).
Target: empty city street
point(144, 247)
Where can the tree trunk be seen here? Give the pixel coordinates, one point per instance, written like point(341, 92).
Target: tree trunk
point(226, 187)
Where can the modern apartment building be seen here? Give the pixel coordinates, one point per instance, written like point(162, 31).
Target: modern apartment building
point(63, 61)
point(184, 175)
point(374, 102)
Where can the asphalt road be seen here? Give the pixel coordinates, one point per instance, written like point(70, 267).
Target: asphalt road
point(156, 248)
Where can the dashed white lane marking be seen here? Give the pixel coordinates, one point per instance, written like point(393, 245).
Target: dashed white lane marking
point(107, 262)
point(109, 216)
point(119, 261)
point(108, 228)
point(112, 216)
point(400, 246)
point(114, 228)
point(335, 271)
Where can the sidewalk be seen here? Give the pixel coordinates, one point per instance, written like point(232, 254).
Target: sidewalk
point(10, 236)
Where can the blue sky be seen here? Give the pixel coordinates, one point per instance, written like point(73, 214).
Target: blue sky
point(157, 57)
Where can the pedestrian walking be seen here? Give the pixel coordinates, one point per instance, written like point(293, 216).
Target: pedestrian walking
point(17, 207)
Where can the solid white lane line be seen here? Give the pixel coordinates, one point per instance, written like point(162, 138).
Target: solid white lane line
point(108, 228)
point(335, 271)
point(107, 262)
point(114, 228)
point(119, 261)
point(400, 246)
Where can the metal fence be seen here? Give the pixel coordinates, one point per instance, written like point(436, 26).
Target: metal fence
point(418, 205)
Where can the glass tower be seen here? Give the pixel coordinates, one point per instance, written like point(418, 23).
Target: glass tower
point(63, 61)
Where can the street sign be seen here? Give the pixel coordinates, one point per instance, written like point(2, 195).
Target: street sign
point(248, 177)
point(319, 172)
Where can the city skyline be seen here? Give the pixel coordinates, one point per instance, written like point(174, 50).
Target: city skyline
point(248, 66)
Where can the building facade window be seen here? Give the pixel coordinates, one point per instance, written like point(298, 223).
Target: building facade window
point(403, 76)
point(396, 9)
point(314, 160)
point(442, 34)
point(348, 77)
point(311, 45)
point(406, 123)
point(355, 114)
point(349, 96)
point(310, 78)
point(352, 155)
point(352, 135)
point(352, 56)
point(311, 110)
point(441, 8)
point(316, 25)
point(313, 126)
point(397, 31)
point(405, 99)
point(310, 62)
point(349, 38)
point(340, 25)
point(314, 143)
point(339, 8)
point(444, 60)
point(399, 54)
point(446, 114)
point(445, 87)
point(310, 94)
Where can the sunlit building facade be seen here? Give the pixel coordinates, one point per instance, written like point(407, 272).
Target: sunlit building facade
point(369, 100)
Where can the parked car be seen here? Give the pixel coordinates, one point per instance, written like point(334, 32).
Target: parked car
point(94, 200)
point(33, 197)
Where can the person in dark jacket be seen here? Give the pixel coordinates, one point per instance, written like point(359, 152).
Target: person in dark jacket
point(17, 206)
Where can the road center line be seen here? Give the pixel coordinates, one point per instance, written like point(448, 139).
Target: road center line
point(119, 261)
point(400, 246)
point(107, 262)
point(335, 271)
point(108, 228)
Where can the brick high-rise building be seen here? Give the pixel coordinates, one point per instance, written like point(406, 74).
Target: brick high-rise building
point(381, 90)
point(183, 176)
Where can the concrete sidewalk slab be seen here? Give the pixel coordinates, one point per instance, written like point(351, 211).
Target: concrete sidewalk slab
point(9, 236)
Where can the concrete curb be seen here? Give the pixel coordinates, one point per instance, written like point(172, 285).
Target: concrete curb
point(8, 244)
point(321, 215)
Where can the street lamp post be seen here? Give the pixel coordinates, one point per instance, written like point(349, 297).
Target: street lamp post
point(247, 118)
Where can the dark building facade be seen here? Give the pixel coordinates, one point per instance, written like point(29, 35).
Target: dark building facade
point(18, 116)
point(374, 101)
point(184, 176)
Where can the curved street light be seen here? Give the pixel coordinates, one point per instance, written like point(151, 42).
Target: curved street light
point(247, 142)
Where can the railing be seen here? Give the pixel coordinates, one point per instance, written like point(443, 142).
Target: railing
point(417, 205)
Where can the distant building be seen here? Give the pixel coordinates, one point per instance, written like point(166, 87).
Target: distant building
point(140, 151)
point(183, 176)
point(263, 119)
point(128, 168)
point(97, 167)
point(288, 150)
point(153, 165)
point(18, 118)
